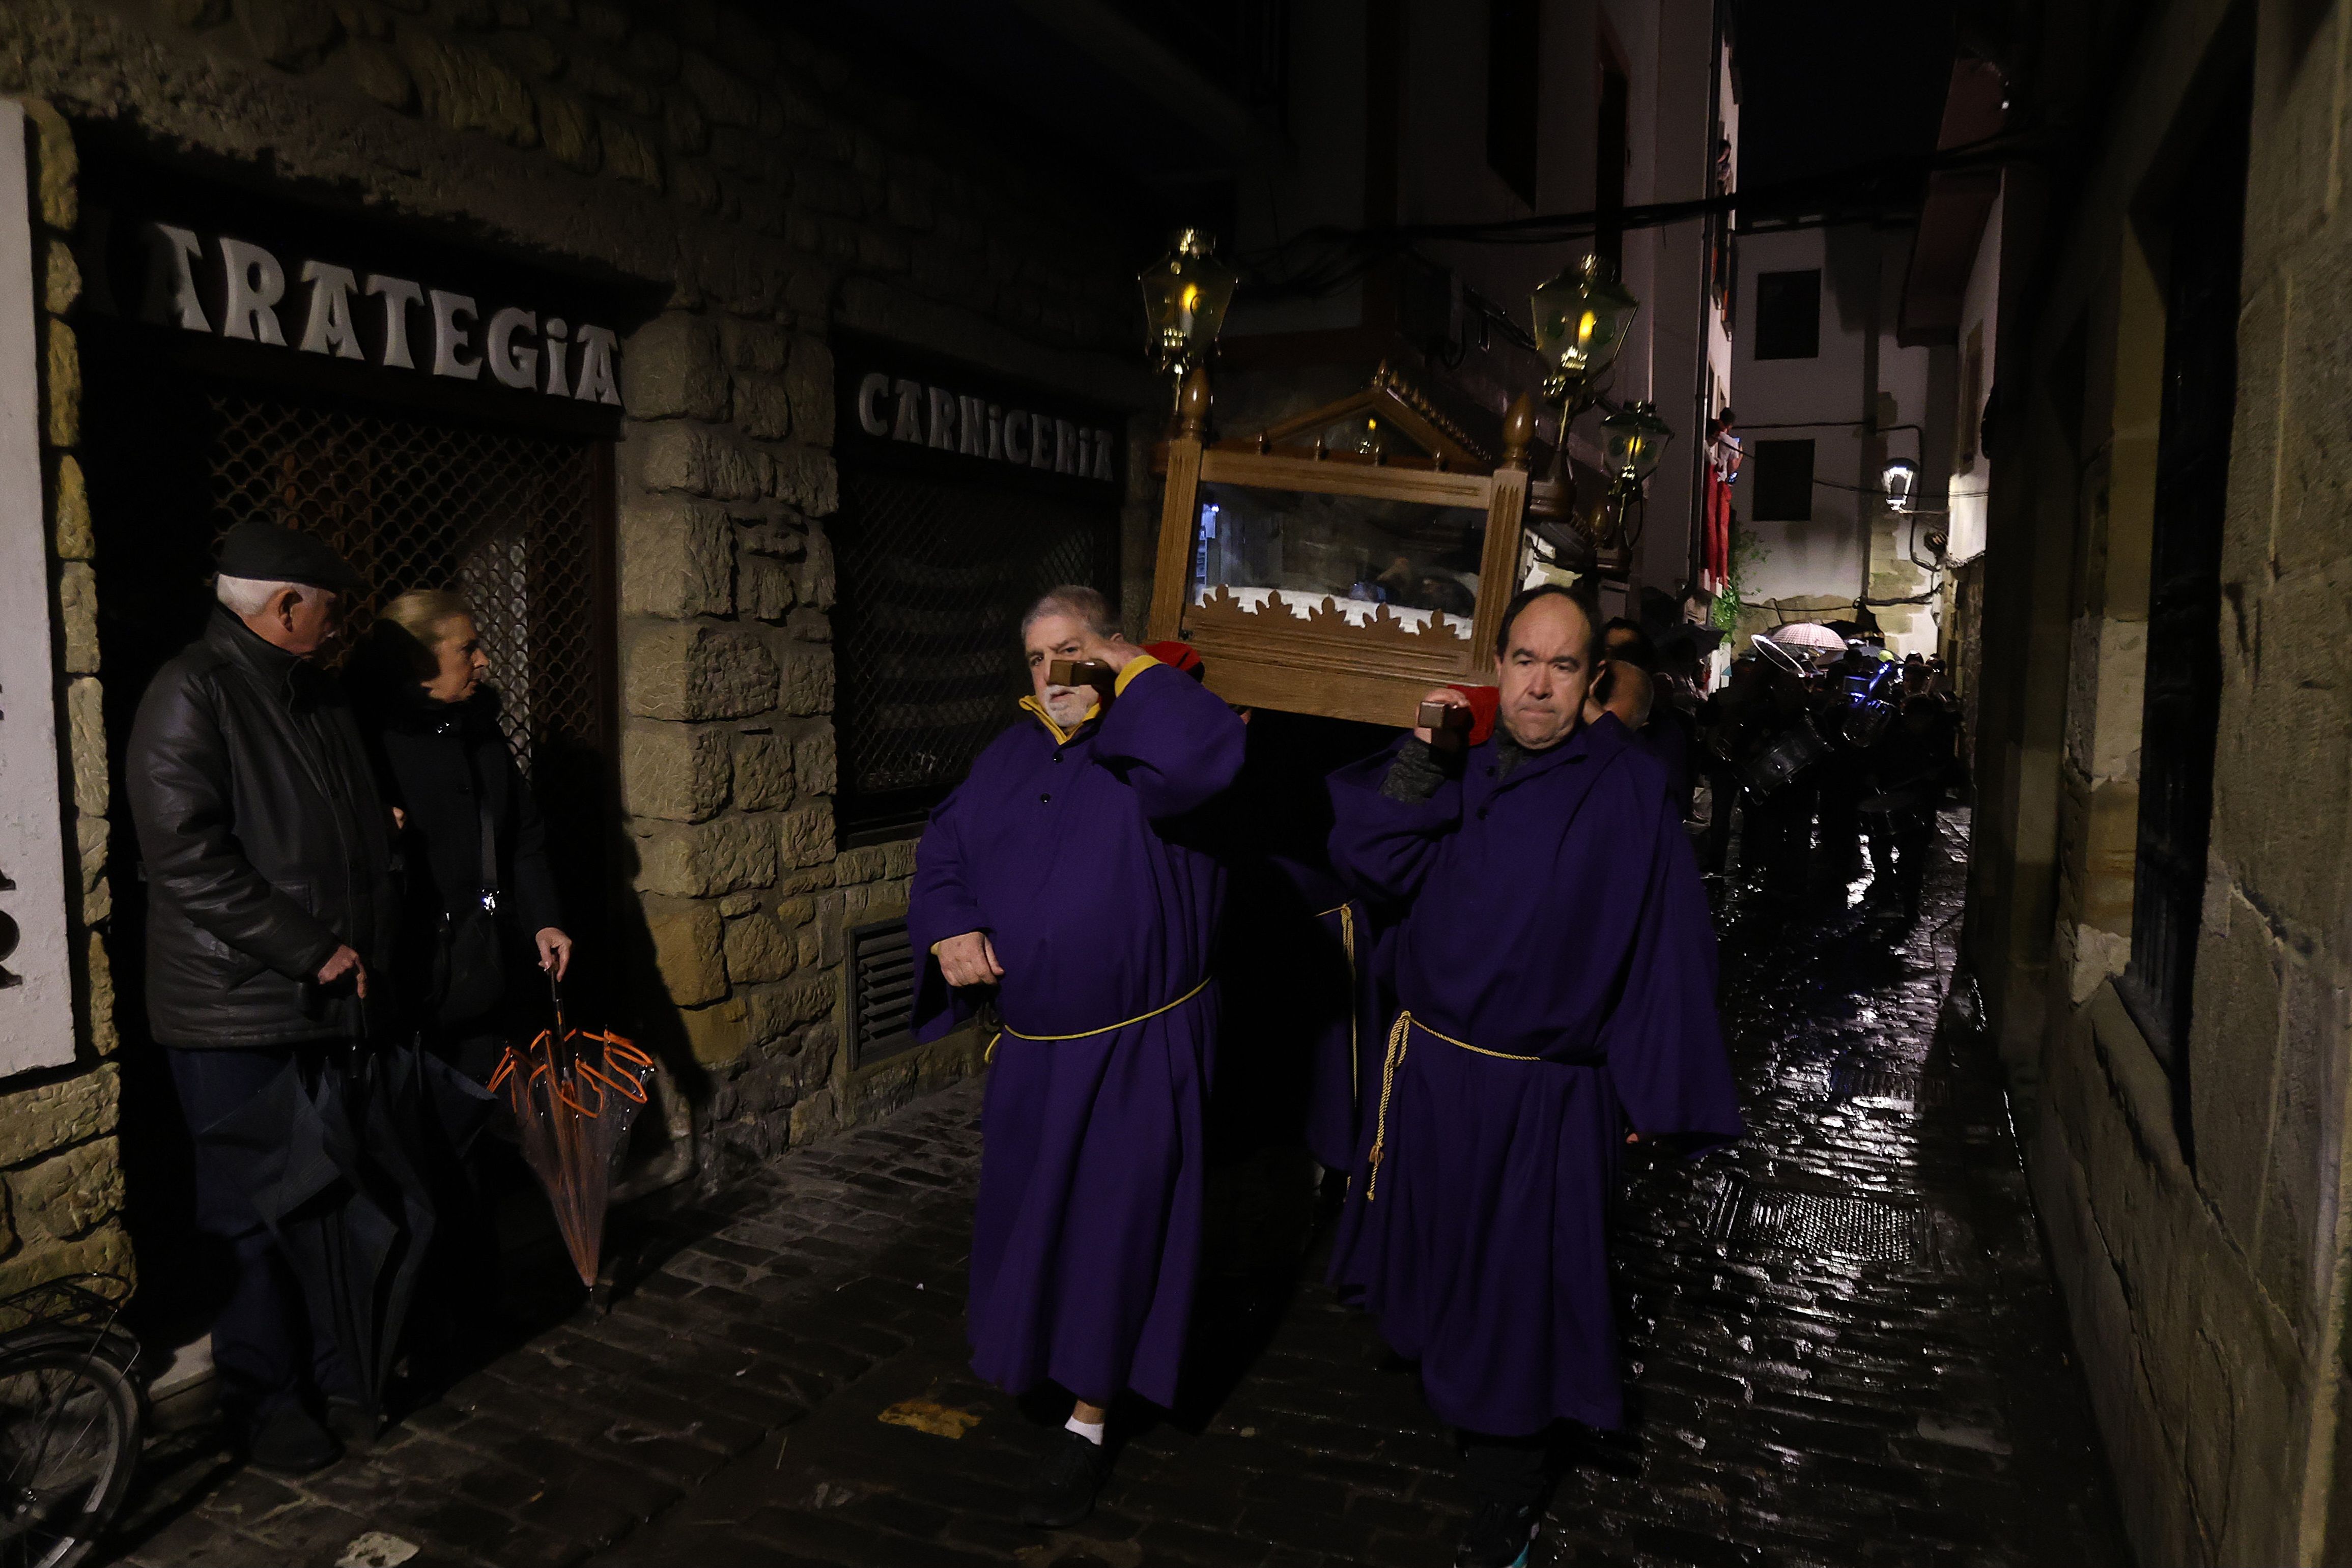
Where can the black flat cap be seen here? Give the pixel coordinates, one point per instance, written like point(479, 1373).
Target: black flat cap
point(267, 553)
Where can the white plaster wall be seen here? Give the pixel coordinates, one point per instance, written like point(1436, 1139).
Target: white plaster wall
point(36, 978)
point(1790, 400)
point(1980, 307)
point(1316, 175)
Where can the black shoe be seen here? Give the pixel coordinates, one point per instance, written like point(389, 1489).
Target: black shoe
point(355, 1426)
point(1497, 1536)
point(1070, 1476)
point(289, 1442)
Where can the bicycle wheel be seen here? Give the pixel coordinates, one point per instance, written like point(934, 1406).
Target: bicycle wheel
point(70, 1424)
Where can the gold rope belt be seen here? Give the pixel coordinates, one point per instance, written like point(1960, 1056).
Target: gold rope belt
point(1004, 1030)
point(1347, 914)
point(1398, 1038)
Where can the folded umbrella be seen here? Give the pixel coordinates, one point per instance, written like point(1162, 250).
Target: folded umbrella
point(326, 1151)
point(575, 1094)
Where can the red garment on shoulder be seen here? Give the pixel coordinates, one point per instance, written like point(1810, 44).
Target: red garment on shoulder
point(1485, 703)
point(1180, 655)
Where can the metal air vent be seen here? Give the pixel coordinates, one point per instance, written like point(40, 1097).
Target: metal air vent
point(881, 991)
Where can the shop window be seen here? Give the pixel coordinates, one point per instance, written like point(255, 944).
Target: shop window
point(935, 574)
point(1789, 315)
point(498, 515)
point(1512, 30)
point(2182, 708)
point(1783, 474)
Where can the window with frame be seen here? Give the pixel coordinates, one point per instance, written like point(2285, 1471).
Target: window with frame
point(1781, 473)
point(2180, 712)
point(1513, 29)
point(1789, 315)
point(1611, 133)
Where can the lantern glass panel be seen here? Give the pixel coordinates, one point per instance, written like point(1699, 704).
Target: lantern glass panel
point(1185, 296)
point(1291, 550)
point(1580, 321)
point(1637, 440)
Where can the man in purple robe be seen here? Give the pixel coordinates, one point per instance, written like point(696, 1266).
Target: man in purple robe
point(1064, 875)
point(1553, 967)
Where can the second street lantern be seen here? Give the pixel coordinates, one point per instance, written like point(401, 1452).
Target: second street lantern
point(1637, 440)
point(1185, 294)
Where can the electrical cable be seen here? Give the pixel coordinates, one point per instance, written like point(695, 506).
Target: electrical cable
point(1884, 188)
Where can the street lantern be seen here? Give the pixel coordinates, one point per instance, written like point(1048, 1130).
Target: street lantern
point(1637, 440)
point(1900, 478)
point(1185, 294)
point(1581, 320)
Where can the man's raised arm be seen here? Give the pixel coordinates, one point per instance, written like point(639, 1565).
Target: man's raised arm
point(1176, 743)
point(1390, 815)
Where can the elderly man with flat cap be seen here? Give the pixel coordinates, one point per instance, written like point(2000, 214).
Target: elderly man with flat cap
point(266, 853)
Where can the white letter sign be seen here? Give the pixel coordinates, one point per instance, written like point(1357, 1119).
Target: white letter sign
point(256, 284)
point(330, 330)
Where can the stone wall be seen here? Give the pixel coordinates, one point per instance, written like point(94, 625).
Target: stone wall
point(2200, 1231)
point(769, 189)
point(62, 1174)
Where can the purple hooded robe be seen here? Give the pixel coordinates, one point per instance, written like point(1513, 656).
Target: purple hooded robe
point(1554, 918)
point(1072, 851)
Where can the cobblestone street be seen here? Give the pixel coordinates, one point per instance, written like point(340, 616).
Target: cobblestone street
point(1843, 1335)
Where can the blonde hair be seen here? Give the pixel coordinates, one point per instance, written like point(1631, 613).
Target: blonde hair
point(407, 633)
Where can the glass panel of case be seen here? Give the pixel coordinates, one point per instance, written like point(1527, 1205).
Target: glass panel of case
point(1295, 548)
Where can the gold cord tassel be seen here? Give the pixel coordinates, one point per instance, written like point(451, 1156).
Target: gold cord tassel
point(1398, 1036)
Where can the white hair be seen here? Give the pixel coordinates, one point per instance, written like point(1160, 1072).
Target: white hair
point(1079, 603)
point(249, 596)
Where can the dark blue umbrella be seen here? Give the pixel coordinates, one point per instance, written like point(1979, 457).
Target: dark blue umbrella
point(336, 1152)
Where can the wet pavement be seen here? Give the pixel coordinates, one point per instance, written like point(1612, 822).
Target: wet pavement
point(1841, 1336)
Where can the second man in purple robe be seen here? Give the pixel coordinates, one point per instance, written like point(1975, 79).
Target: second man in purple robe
point(1553, 966)
point(1060, 875)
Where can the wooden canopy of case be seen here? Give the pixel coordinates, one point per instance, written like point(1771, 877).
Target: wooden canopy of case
point(1320, 663)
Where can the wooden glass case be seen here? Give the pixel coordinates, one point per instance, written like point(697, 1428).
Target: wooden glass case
point(1344, 561)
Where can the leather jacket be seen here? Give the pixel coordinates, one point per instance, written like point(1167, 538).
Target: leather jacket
point(264, 842)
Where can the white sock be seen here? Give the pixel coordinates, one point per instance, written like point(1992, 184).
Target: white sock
point(1092, 1431)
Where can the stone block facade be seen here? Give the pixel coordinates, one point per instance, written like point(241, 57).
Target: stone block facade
point(763, 190)
point(2193, 1190)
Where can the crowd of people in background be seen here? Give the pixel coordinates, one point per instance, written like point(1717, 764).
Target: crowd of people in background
point(1808, 764)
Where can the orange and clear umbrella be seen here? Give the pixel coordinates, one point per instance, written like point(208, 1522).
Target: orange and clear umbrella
point(575, 1094)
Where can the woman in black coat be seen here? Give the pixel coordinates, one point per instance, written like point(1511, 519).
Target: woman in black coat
point(471, 920)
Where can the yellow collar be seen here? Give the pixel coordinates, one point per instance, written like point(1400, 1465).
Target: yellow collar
point(1061, 736)
point(1134, 667)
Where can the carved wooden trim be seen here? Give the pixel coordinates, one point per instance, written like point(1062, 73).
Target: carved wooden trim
point(1329, 619)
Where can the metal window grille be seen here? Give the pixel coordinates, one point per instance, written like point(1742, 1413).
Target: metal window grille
point(934, 577)
point(882, 991)
point(2181, 709)
point(504, 517)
